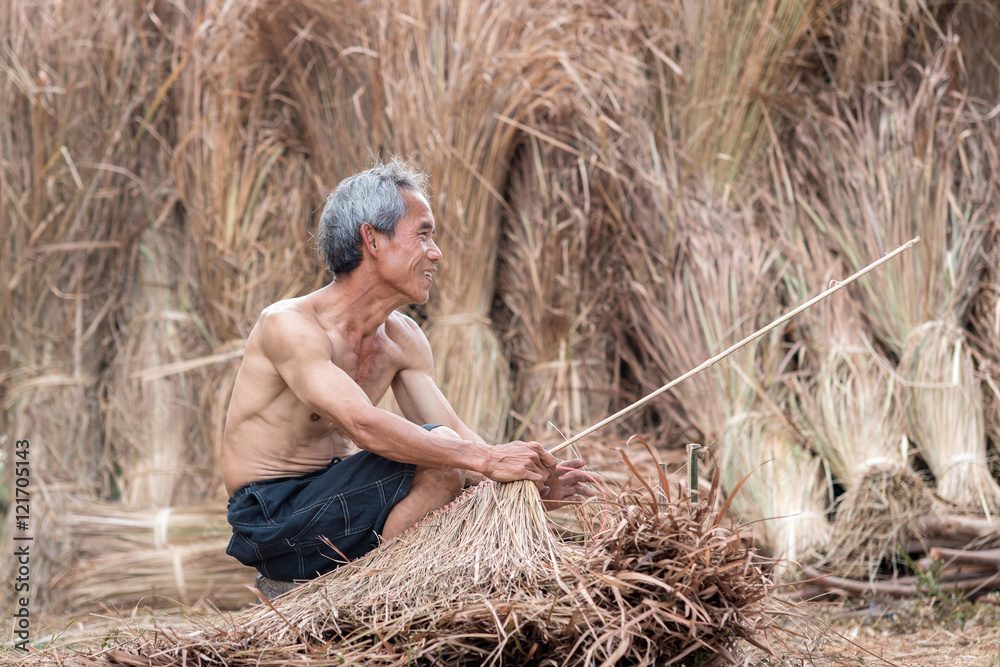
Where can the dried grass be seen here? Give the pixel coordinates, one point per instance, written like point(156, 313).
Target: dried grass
point(947, 407)
point(725, 284)
point(556, 326)
point(155, 146)
point(171, 554)
point(660, 584)
point(79, 181)
point(784, 492)
point(722, 68)
point(861, 43)
point(891, 165)
point(848, 399)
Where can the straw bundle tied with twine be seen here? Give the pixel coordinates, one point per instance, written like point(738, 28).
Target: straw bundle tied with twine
point(556, 331)
point(171, 554)
point(858, 426)
point(76, 190)
point(725, 277)
point(875, 177)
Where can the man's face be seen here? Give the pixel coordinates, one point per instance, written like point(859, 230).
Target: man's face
point(413, 256)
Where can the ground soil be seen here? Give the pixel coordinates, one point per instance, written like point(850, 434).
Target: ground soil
point(923, 631)
point(918, 632)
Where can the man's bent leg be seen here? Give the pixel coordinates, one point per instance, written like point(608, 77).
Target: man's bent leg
point(431, 489)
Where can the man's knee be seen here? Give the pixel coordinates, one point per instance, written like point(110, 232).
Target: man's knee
point(450, 480)
point(446, 432)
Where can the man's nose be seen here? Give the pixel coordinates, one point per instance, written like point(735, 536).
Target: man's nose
point(434, 252)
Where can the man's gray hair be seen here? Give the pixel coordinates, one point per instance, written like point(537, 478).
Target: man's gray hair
point(372, 196)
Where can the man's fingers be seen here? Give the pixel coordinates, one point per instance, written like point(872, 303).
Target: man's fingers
point(544, 456)
point(575, 477)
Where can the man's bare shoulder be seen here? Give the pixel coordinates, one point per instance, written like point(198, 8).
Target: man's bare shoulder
point(287, 323)
point(403, 329)
point(407, 334)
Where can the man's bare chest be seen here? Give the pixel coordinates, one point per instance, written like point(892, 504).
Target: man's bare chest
point(373, 373)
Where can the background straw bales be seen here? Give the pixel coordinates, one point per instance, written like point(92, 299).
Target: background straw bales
point(622, 189)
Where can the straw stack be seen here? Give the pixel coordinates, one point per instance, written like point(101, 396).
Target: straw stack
point(985, 324)
point(554, 341)
point(78, 180)
point(725, 285)
point(847, 400)
point(881, 173)
point(171, 554)
point(775, 481)
point(663, 581)
point(721, 67)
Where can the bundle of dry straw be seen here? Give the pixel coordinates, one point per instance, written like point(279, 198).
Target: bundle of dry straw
point(725, 283)
point(847, 399)
point(555, 328)
point(78, 184)
point(171, 554)
point(887, 167)
point(487, 582)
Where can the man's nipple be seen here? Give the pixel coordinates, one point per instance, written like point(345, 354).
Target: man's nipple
point(314, 417)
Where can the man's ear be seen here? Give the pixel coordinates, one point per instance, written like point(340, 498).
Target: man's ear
point(368, 238)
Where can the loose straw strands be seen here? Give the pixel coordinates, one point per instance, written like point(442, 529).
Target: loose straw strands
point(662, 582)
point(494, 539)
point(865, 42)
point(721, 66)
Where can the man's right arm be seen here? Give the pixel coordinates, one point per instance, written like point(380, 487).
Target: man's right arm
point(301, 354)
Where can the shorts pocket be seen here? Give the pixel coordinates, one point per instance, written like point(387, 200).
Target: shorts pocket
point(341, 515)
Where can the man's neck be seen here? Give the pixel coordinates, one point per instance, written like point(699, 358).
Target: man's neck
point(353, 304)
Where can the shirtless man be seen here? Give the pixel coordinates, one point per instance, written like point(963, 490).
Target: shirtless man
point(314, 370)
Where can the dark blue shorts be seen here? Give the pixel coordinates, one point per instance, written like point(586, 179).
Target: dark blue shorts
point(278, 523)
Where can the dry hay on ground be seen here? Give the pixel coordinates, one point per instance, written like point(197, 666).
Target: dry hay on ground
point(487, 582)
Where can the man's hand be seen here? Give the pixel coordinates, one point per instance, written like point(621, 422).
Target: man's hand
point(567, 484)
point(520, 460)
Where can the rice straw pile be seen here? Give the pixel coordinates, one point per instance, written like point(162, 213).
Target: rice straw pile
point(859, 428)
point(77, 186)
point(486, 582)
point(782, 489)
point(985, 323)
point(555, 330)
point(887, 166)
